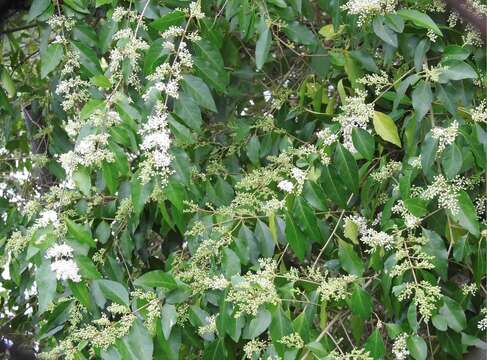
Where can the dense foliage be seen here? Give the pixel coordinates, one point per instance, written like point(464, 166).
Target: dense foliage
point(275, 179)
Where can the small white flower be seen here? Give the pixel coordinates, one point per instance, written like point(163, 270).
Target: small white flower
point(445, 136)
point(298, 174)
point(286, 185)
point(59, 251)
point(48, 217)
point(66, 270)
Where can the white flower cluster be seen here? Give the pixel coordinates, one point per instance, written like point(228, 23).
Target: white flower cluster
point(386, 171)
point(410, 220)
point(251, 291)
point(73, 90)
point(156, 141)
point(299, 176)
point(378, 81)
point(120, 13)
point(479, 114)
point(426, 297)
point(286, 185)
point(59, 251)
point(254, 347)
point(356, 113)
point(63, 264)
point(99, 119)
point(400, 348)
point(469, 289)
point(372, 238)
point(129, 47)
point(59, 23)
point(367, 8)
point(91, 150)
point(334, 288)
point(355, 354)
point(46, 218)
point(445, 136)
point(445, 192)
point(292, 340)
point(482, 324)
point(195, 10)
point(327, 136)
point(209, 328)
point(433, 73)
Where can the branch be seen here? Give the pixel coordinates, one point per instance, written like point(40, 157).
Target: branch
point(12, 30)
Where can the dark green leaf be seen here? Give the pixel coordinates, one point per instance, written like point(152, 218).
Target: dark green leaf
point(156, 278)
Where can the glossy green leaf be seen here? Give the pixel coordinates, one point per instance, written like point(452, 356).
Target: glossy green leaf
point(349, 259)
point(156, 278)
point(417, 347)
point(420, 19)
point(364, 142)
point(347, 167)
point(386, 128)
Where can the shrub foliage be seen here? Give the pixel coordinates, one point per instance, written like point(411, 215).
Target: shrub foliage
point(275, 179)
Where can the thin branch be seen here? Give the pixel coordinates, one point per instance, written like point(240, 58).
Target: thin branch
point(12, 30)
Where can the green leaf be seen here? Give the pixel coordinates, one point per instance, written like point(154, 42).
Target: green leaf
point(87, 268)
point(419, 19)
point(466, 216)
point(263, 45)
point(114, 291)
point(80, 233)
point(333, 188)
point(172, 19)
point(46, 286)
point(386, 128)
point(375, 345)
point(188, 111)
point(361, 303)
point(156, 278)
point(435, 247)
point(452, 161)
point(454, 314)
point(350, 230)
point(209, 63)
point(306, 220)
point(363, 142)
point(90, 107)
point(384, 32)
point(422, 99)
point(347, 168)
point(299, 33)
point(168, 319)
point(216, 350)
point(295, 238)
point(264, 239)
point(258, 325)
point(81, 292)
point(82, 179)
point(253, 150)
point(439, 322)
point(349, 259)
point(199, 91)
point(37, 8)
point(455, 52)
point(7, 83)
point(416, 206)
point(88, 59)
point(101, 81)
point(417, 347)
point(456, 70)
point(280, 326)
point(137, 344)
